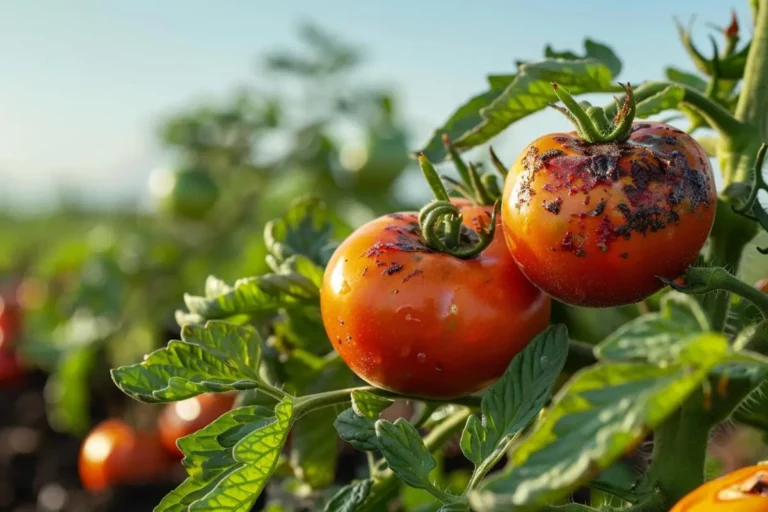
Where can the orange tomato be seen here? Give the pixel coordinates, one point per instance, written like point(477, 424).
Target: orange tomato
point(418, 322)
point(186, 417)
point(744, 490)
point(114, 453)
point(595, 224)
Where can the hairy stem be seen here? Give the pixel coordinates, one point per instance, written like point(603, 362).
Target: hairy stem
point(752, 107)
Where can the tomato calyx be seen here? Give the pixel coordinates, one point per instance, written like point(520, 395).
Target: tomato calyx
point(591, 122)
point(440, 221)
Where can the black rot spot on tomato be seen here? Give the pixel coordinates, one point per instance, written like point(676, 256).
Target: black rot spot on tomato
point(365, 271)
point(624, 255)
point(553, 206)
point(412, 274)
point(392, 269)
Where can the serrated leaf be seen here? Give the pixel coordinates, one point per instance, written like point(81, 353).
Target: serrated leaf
point(305, 229)
point(658, 336)
point(358, 431)
point(255, 456)
point(349, 497)
point(685, 78)
point(593, 50)
point(405, 453)
point(530, 92)
point(513, 401)
point(256, 295)
point(603, 412)
point(369, 405)
point(668, 98)
point(215, 287)
point(208, 451)
point(217, 357)
point(461, 122)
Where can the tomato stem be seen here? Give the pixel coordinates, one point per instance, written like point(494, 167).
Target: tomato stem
point(497, 164)
point(440, 221)
point(752, 107)
point(592, 123)
point(470, 177)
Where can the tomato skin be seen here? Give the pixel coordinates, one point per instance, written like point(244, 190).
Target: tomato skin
point(594, 225)
point(114, 453)
point(421, 323)
point(740, 491)
point(186, 417)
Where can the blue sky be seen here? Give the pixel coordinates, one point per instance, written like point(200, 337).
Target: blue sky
point(83, 82)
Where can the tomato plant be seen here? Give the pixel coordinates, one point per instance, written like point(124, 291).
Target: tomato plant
point(114, 454)
point(744, 490)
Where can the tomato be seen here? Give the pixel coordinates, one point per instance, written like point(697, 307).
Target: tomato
point(11, 367)
point(187, 193)
point(744, 490)
point(10, 322)
point(418, 322)
point(762, 285)
point(114, 453)
point(595, 224)
point(186, 417)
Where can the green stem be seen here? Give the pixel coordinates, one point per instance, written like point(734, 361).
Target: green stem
point(752, 107)
point(679, 451)
point(387, 483)
point(705, 280)
point(268, 389)
point(487, 465)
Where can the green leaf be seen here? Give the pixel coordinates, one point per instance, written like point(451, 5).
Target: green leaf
point(358, 431)
point(369, 405)
point(668, 98)
point(514, 400)
point(623, 481)
point(217, 357)
point(593, 50)
point(656, 337)
point(685, 78)
point(349, 497)
point(466, 118)
point(256, 295)
point(490, 113)
point(313, 448)
point(405, 453)
point(500, 82)
point(603, 412)
point(305, 229)
point(230, 460)
point(256, 455)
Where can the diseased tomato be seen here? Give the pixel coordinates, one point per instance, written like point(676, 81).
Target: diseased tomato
point(744, 490)
point(595, 224)
point(114, 453)
point(186, 417)
point(187, 193)
point(419, 322)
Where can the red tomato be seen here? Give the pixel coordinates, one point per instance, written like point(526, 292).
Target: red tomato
point(114, 454)
point(186, 417)
point(594, 225)
point(10, 321)
point(11, 368)
point(744, 490)
point(422, 323)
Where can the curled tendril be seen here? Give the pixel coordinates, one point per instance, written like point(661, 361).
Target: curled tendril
point(432, 218)
point(751, 207)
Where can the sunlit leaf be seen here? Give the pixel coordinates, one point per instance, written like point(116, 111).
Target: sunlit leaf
point(602, 413)
point(217, 357)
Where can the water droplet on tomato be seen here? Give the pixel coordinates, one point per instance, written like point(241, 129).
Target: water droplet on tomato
point(438, 367)
point(421, 357)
